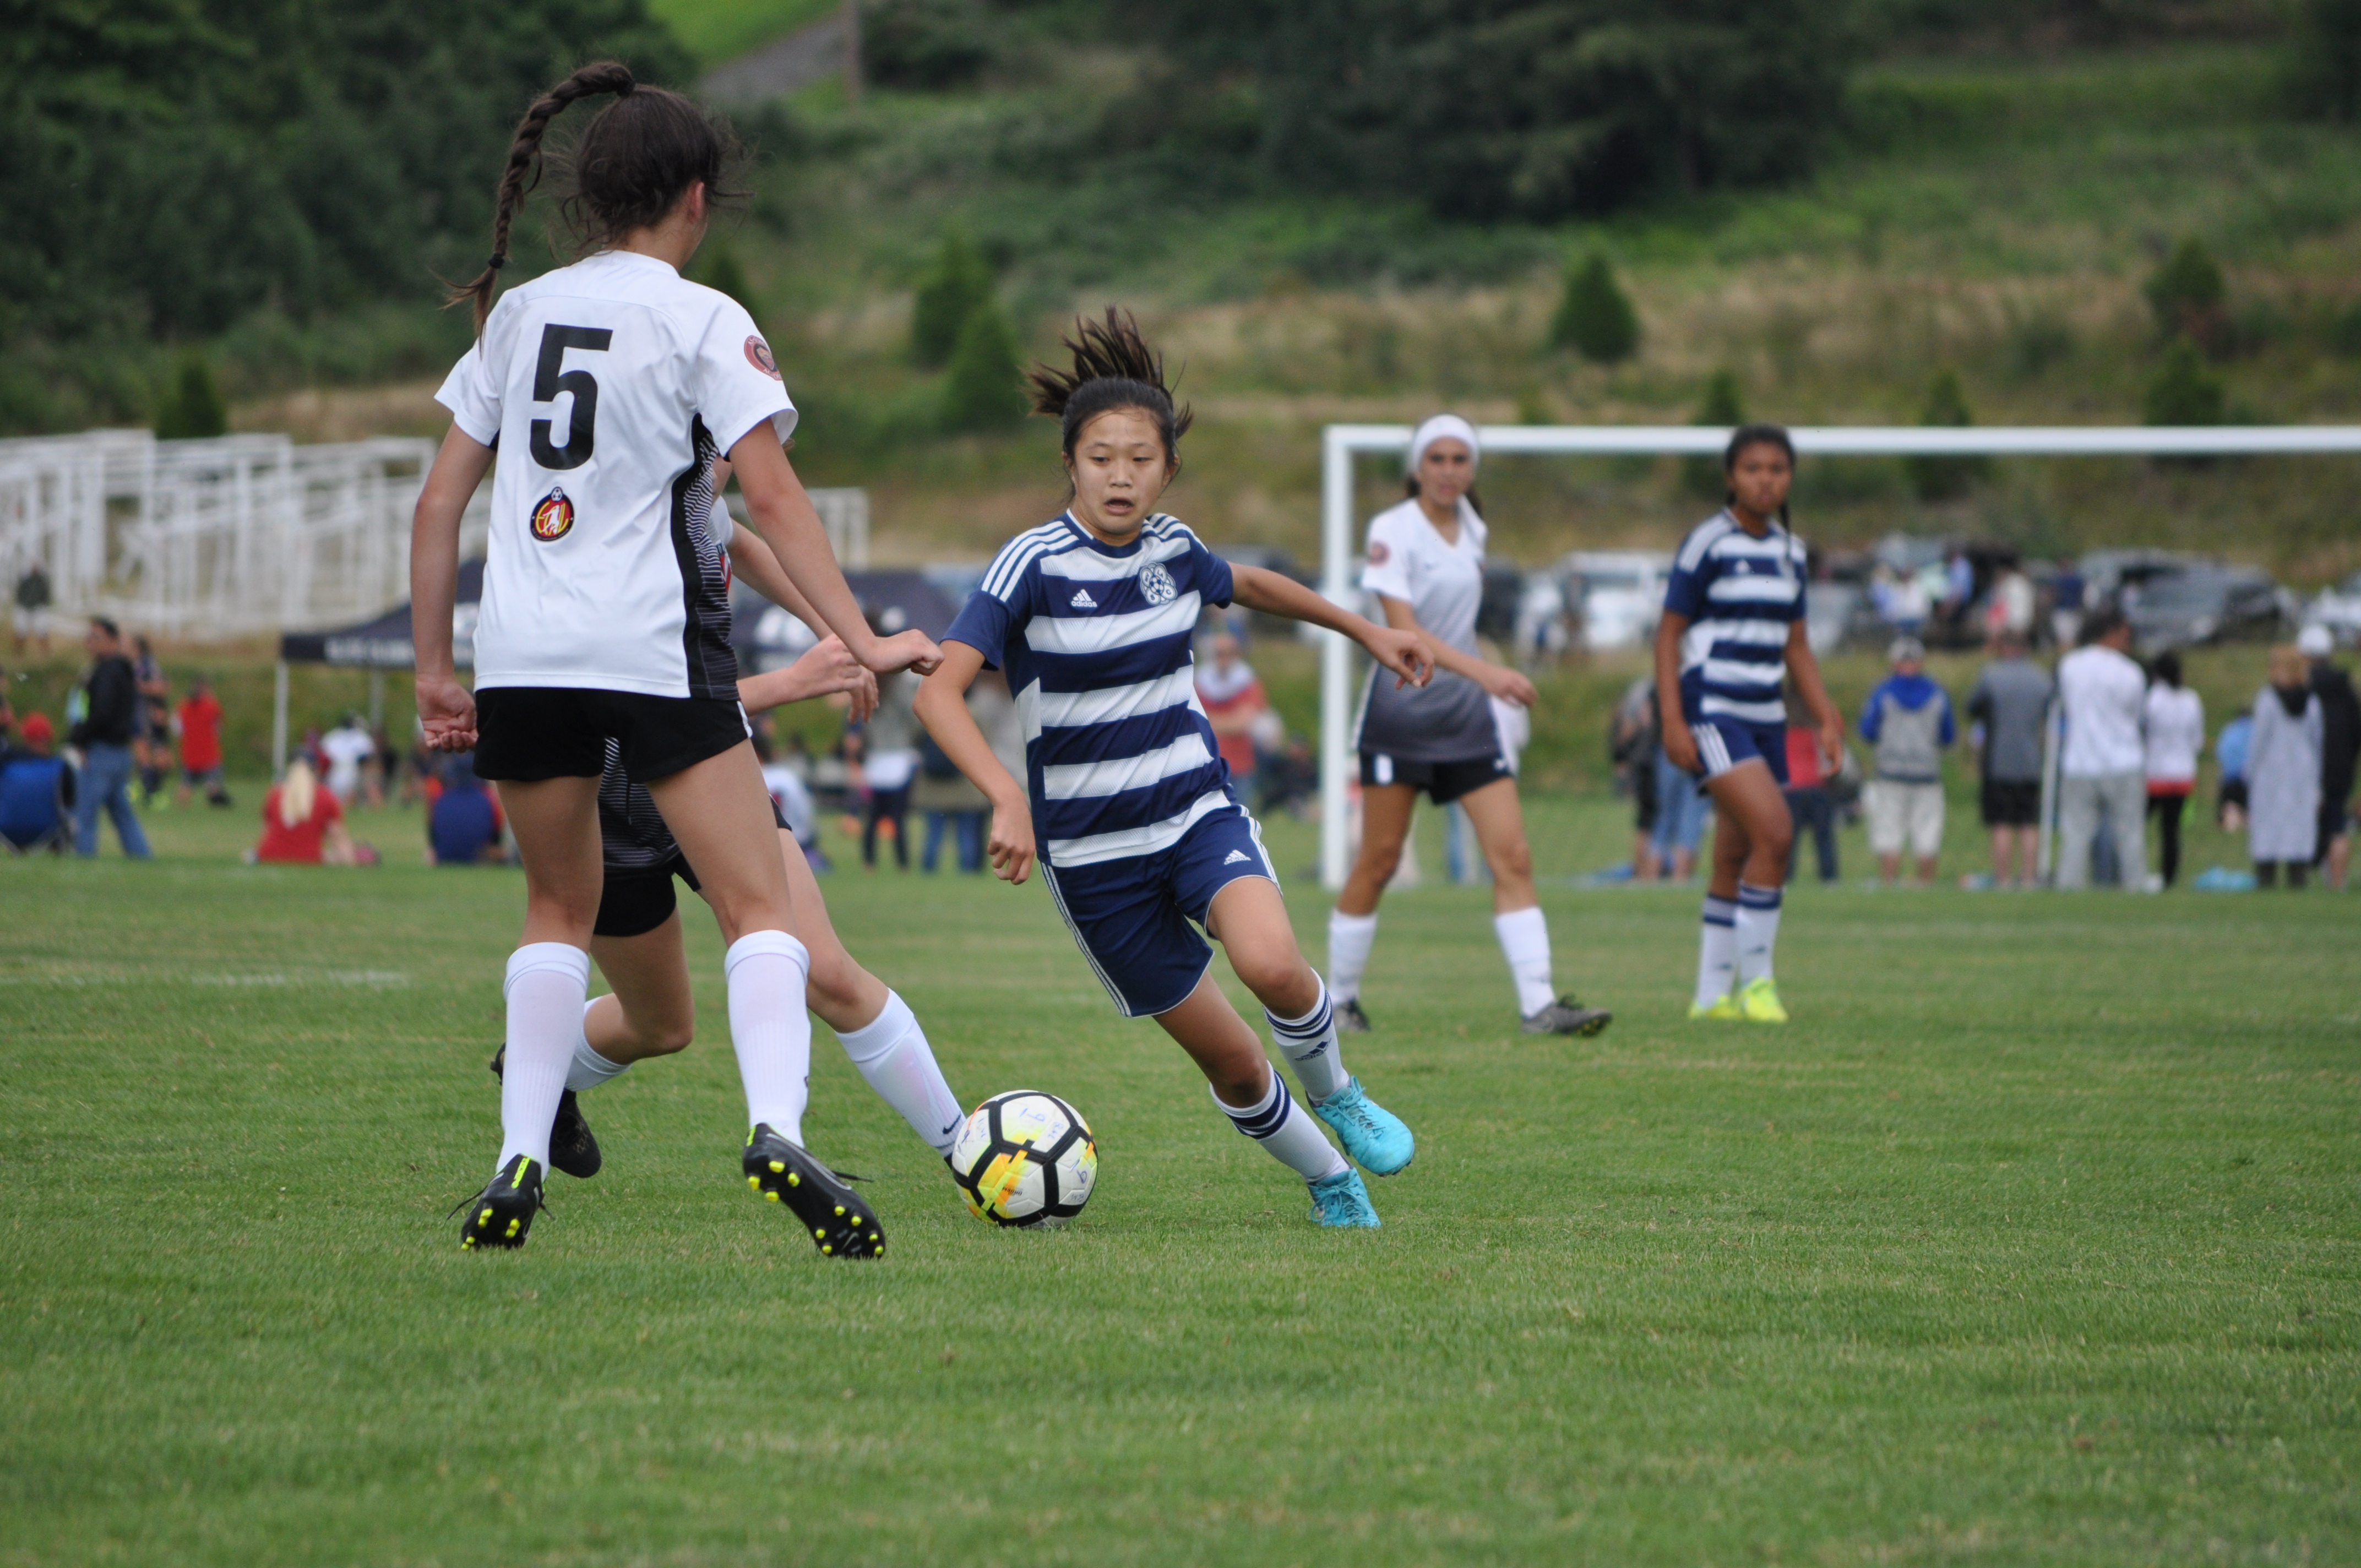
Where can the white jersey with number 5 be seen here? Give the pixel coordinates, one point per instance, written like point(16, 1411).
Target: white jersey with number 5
point(608, 388)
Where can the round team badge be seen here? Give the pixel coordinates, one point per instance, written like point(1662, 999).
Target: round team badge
point(1378, 553)
point(553, 518)
point(1155, 584)
point(758, 355)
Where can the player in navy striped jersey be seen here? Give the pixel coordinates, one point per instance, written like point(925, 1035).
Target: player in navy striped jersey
point(1732, 632)
point(1126, 801)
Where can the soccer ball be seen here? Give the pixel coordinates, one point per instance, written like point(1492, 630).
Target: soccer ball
point(1026, 1158)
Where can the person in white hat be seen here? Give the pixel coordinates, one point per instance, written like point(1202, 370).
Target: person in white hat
point(1425, 567)
point(2340, 716)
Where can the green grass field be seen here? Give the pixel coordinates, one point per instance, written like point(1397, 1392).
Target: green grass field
point(2034, 1239)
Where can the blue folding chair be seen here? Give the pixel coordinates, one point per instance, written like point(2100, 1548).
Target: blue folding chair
point(36, 804)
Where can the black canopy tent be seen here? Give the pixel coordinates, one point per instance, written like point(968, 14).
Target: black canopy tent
point(380, 643)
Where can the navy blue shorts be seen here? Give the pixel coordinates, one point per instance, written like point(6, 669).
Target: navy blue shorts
point(1132, 918)
point(1723, 743)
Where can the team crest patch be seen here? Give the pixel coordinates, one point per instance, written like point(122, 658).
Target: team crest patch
point(553, 518)
point(1378, 553)
point(758, 355)
point(1155, 584)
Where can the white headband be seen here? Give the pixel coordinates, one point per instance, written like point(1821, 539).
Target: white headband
point(1435, 430)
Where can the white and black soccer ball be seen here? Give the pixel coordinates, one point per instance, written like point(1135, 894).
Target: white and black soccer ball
point(1026, 1158)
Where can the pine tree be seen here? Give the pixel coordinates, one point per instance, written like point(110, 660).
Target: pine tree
point(2183, 392)
point(2189, 297)
point(1945, 478)
point(1722, 406)
point(985, 389)
point(959, 282)
point(192, 407)
point(723, 272)
point(1595, 318)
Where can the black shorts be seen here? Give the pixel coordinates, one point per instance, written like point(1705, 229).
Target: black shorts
point(1442, 782)
point(2012, 802)
point(526, 734)
point(638, 899)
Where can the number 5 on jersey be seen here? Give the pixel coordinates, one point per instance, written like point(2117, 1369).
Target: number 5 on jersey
point(549, 378)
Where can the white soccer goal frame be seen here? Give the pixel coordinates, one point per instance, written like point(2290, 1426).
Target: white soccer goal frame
point(1341, 444)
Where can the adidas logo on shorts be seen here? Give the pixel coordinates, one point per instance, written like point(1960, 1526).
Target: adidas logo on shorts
point(1082, 599)
point(1234, 857)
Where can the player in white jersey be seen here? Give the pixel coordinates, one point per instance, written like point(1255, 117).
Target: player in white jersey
point(1425, 565)
point(1733, 631)
point(609, 387)
point(1139, 837)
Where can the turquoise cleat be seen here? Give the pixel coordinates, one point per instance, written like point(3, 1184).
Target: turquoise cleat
point(1378, 1140)
point(1341, 1202)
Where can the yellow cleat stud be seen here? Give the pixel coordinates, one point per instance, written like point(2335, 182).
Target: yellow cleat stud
point(795, 1179)
point(772, 1196)
point(840, 1209)
point(819, 1235)
point(777, 1167)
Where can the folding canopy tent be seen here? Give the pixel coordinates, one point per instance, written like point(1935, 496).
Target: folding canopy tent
point(377, 645)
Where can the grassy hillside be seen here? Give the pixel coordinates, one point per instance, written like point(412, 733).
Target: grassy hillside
point(719, 30)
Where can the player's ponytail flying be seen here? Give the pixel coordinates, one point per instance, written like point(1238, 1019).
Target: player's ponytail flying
point(1113, 367)
point(634, 163)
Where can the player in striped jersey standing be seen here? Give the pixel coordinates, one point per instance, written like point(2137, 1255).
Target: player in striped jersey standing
point(1093, 616)
point(1732, 631)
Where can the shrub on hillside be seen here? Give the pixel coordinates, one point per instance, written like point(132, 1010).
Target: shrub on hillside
point(950, 293)
point(1594, 317)
point(1945, 478)
point(985, 389)
point(2189, 297)
point(720, 270)
point(1721, 405)
point(192, 406)
point(2182, 391)
point(925, 45)
point(2325, 59)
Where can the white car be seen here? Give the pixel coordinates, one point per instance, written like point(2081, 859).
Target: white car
point(1618, 596)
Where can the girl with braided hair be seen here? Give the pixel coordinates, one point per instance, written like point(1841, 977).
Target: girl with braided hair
point(1127, 804)
point(609, 387)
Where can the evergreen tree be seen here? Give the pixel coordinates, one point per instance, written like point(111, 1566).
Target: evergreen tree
point(192, 407)
point(1722, 405)
point(2182, 391)
point(722, 271)
point(2324, 58)
point(1594, 317)
point(985, 389)
point(2189, 297)
point(1945, 478)
point(959, 282)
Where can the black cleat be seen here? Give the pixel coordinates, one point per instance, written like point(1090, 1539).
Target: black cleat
point(1567, 1015)
point(832, 1214)
point(503, 1212)
point(1350, 1019)
point(572, 1149)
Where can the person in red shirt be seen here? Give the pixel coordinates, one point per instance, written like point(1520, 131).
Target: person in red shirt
point(1232, 699)
point(1809, 803)
point(303, 824)
point(200, 749)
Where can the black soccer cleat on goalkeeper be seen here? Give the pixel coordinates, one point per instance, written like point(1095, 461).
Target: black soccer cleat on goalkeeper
point(831, 1213)
point(1350, 1019)
point(572, 1149)
point(503, 1212)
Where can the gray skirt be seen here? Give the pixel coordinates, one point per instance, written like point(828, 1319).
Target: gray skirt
point(1449, 721)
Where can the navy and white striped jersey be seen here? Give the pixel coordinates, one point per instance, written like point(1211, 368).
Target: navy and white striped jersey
point(1119, 757)
point(1741, 596)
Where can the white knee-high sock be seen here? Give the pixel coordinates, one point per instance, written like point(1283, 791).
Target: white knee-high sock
point(766, 971)
point(589, 1069)
point(1309, 1043)
point(545, 986)
point(1757, 930)
point(1717, 950)
point(891, 1053)
point(1350, 937)
point(1524, 942)
point(1288, 1131)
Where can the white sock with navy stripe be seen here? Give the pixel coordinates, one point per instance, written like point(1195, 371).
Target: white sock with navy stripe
point(766, 971)
point(1350, 938)
point(1757, 930)
point(1717, 950)
point(546, 984)
point(1309, 1043)
point(1288, 1131)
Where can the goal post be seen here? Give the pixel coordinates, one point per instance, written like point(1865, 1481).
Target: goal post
point(1342, 445)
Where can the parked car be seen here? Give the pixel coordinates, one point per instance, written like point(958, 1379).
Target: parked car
point(2107, 573)
point(2339, 609)
point(1615, 596)
point(2206, 603)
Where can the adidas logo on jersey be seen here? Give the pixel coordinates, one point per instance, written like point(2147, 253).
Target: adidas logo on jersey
point(1082, 599)
point(1233, 857)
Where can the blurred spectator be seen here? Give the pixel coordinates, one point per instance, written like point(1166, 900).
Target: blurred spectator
point(2104, 773)
point(33, 606)
point(2229, 756)
point(35, 734)
point(1908, 721)
point(2066, 592)
point(1682, 809)
point(949, 802)
point(36, 789)
point(2010, 611)
point(1634, 737)
point(1900, 599)
point(889, 745)
point(2176, 735)
point(1232, 699)
point(152, 746)
point(463, 826)
point(111, 719)
point(1958, 586)
point(1809, 801)
point(201, 748)
point(2010, 701)
point(2283, 773)
point(2340, 745)
point(346, 746)
point(302, 824)
point(385, 771)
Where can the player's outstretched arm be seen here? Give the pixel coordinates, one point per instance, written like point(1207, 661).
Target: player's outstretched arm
point(1403, 653)
point(1806, 668)
point(1497, 680)
point(781, 515)
point(942, 708)
point(1679, 744)
point(823, 670)
point(445, 710)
